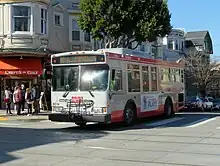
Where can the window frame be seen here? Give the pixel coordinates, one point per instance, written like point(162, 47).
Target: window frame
point(142, 81)
point(140, 75)
point(61, 19)
point(122, 82)
point(75, 29)
point(45, 21)
point(151, 78)
point(30, 19)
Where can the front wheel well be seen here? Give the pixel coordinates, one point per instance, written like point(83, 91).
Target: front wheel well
point(131, 103)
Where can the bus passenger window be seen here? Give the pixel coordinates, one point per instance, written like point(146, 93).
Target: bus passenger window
point(133, 72)
point(116, 81)
point(145, 78)
point(153, 78)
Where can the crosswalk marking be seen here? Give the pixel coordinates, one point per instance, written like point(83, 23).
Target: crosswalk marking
point(199, 122)
point(3, 118)
point(163, 122)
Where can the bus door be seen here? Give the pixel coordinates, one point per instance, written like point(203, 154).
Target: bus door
point(115, 88)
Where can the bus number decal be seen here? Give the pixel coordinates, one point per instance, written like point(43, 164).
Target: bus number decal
point(149, 102)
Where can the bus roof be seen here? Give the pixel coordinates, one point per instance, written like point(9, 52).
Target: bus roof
point(127, 55)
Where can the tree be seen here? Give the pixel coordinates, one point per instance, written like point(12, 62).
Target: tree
point(200, 70)
point(121, 22)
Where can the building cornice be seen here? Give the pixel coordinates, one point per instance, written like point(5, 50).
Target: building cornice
point(22, 1)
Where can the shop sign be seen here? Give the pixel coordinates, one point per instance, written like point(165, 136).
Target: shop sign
point(21, 72)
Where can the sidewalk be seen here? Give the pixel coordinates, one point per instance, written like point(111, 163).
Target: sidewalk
point(42, 115)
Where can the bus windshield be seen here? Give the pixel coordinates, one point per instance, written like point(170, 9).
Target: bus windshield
point(92, 78)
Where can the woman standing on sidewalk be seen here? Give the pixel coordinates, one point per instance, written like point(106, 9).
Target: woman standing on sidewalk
point(29, 100)
point(7, 100)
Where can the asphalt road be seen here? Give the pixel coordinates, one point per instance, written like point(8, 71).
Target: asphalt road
point(186, 139)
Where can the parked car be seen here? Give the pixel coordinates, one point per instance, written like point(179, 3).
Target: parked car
point(216, 103)
point(198, 103)
point(206, 103)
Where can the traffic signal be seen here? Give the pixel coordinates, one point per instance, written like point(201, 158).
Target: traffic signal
point(47, 71)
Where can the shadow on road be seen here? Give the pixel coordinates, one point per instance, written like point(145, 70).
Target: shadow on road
point(179, 120)
point(13, 139)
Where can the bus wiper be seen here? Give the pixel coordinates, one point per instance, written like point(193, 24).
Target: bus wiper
point(68, 91)
point(91, 93)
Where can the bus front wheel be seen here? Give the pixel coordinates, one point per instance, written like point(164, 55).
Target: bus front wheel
point(81, 123)
point(129, 115)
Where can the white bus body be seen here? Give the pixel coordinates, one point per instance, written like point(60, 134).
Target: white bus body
point(109, 86)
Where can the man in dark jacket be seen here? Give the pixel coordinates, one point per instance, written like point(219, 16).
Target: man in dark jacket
point(36, 98)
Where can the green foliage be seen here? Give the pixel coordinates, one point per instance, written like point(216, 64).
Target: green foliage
point(132, 20)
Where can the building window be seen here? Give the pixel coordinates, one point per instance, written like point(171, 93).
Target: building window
point(170, 44)
point(133, 78)
point(87, 37)
point(21, 18)
point(75, 30)
point(43, 21)
point(145, 78)
point(176, 45)
point(58, 19)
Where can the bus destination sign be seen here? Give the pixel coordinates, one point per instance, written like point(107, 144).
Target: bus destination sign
point(78, 59)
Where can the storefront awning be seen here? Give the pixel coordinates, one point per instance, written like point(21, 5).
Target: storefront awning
point(20, 67)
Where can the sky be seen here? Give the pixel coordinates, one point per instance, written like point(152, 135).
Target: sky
point(194, 15)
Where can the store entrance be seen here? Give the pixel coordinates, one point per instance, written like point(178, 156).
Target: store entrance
point(12, 83)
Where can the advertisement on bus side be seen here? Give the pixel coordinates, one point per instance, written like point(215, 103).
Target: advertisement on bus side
point(149, 102)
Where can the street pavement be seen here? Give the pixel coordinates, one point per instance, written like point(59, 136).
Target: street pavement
point(186, 139)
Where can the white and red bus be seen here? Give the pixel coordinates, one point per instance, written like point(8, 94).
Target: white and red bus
point(107, 86)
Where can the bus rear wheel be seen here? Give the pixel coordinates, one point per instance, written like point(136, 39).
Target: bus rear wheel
point(129, 115)
point(168, 108)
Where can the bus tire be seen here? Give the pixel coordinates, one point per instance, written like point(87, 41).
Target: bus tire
point(81, 123)
point(168, 108)
point(130, 114)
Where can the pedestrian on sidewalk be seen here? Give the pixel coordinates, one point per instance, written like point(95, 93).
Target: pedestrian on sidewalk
point(29, 100)
point(36, 98)
point(18, 99)
point(7, 100)
point(23, 91)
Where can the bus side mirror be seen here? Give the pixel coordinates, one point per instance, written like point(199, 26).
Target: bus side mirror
point(67, 87)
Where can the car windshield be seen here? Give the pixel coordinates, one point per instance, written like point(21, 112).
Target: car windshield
point(94, 77)
point(63, 76)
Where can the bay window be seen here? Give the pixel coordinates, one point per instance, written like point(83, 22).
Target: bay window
point(43, 21)
point(21, 18)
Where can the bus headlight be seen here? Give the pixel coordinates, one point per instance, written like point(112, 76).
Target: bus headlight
point(57, 109)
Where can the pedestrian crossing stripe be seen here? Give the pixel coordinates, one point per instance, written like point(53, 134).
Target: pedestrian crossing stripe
point(3, 118)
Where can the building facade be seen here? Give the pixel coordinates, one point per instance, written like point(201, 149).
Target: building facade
point(23, 41)
point(174, 45)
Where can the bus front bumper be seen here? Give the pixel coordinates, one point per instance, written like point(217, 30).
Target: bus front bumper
point(59, 117)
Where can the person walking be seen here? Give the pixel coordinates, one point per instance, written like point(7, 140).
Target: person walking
point(7, 100)
point(28, 98)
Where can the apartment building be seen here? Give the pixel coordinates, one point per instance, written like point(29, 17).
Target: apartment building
point(23, 41)
point(174, 45)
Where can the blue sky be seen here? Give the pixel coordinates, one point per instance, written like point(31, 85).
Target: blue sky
point(193, 15)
